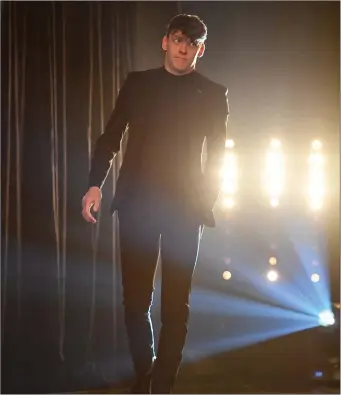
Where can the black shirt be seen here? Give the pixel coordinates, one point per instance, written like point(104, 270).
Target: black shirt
point(164, 151)
point(168, 116)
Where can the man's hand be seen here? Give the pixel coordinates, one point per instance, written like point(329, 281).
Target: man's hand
point(91, 199)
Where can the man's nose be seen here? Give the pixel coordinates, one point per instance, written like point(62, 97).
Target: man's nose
point(183, 48)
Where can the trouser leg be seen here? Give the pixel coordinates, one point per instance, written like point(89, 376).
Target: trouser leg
point(179, 250)
point(139, 245)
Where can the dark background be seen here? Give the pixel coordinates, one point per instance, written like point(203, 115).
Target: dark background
point(62, 65)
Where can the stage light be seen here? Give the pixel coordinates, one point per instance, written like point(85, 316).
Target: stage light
point(316, 204)
point(316, 145)
point(229, 174)
point(274, 173)
point(229, 143)
point(229, 202)
point(227, 275)
point(274, 202)
point(275, 143)
point(272, 275)
point(326, 318)
point(272, 260)
point(316, 180)
point(316, 159)
point(315, 278)
point(227, 188)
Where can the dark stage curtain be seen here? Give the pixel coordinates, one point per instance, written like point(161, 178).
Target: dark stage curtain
point(62, 66)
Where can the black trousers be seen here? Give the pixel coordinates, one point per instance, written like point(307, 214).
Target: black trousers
point(142, 227)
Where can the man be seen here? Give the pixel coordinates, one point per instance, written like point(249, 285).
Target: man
point(162, 196)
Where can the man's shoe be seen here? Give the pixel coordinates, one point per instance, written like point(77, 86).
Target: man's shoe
point(142, 385)
point(161, 386)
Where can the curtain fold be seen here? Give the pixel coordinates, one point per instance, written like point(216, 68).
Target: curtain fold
point(65, 63)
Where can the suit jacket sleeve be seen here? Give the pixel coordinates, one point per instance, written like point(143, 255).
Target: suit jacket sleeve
point(108, 144)
point(216, 147)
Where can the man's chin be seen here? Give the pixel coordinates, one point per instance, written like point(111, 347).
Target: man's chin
point(182, 69)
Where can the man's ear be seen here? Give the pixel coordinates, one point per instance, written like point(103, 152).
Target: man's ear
point(201, 51)
point(164, 43)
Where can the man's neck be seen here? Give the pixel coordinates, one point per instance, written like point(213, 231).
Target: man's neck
point(174, 72)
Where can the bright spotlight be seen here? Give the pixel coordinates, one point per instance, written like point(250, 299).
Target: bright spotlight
point(274, 173)
point(316, 180)
point(326, 318)
point(316, 204)
point(227, 275)
point(316, 145)
point(229, 202)
point(316, 159)
point(275, 143)
point(272, 275)
point(229, 143)
point(272, 260)
point(315, 278)
point(229, 174)
point(274, 202)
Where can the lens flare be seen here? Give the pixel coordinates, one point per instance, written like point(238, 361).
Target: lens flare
point(326, 318)
point(275, 143)
point(227, 275)
point(272, 275)
point(229, 143)
point(316, 145)
point(229, 202)
point(229, 174)
point(315, 278)
point(274, 175)
point(273, 261)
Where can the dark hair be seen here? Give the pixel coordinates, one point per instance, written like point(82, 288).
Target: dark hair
point(190, 25)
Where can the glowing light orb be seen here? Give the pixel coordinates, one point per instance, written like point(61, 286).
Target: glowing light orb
point(227, 275)
point(272, 275)
point(326, 318)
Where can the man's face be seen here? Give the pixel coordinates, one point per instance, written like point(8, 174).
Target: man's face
point(181, 54)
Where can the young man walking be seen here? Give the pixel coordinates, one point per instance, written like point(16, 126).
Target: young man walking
point(163, 198)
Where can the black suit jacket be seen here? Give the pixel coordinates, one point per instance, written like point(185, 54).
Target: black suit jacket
point(206, 118)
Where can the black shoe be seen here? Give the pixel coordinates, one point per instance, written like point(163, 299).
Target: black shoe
point(161, 390)
point(161, 386)
point(142, 385)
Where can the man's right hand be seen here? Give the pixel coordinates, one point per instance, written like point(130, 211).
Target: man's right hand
point(91, 199)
